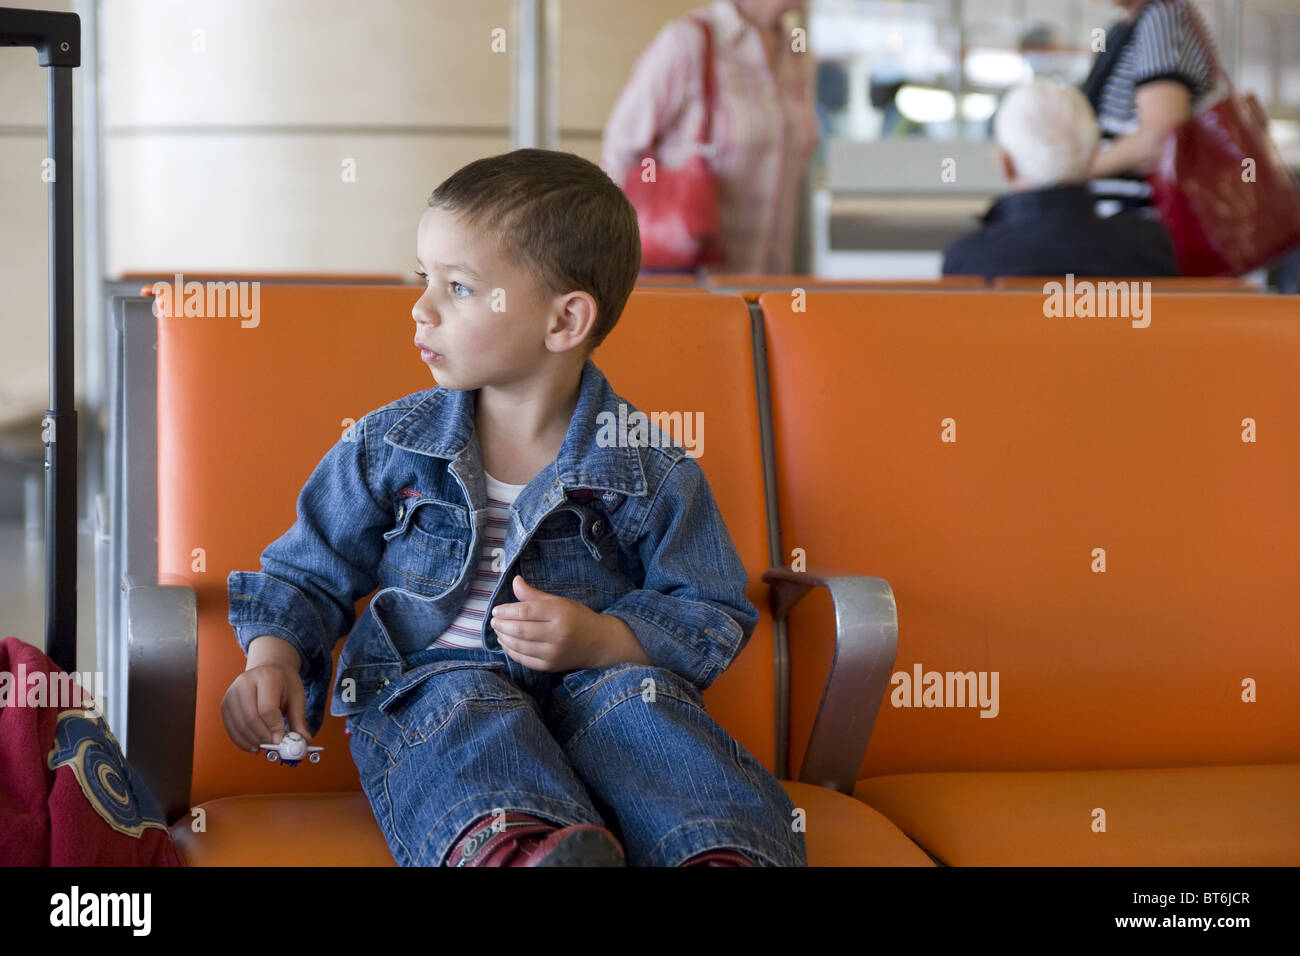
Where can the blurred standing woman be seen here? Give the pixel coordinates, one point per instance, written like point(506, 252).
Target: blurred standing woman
point(764, 122)
point(1144, 85)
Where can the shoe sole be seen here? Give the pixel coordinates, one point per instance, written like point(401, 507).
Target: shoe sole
point(584, 848)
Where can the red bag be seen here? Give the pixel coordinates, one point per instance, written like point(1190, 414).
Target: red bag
point(67, 795)
point(677, 212)
point(1222, 222)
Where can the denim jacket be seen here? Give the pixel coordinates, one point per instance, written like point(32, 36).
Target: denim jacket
point(399, 503)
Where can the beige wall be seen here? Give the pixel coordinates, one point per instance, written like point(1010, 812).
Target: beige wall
point(230, 156)
point(223, 148)
point(229, 123)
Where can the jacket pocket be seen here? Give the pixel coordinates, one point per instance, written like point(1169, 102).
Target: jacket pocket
point(576, 555)
point(426, 549)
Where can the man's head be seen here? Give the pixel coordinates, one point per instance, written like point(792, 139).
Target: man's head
point(1046, 135)
point(530, 256)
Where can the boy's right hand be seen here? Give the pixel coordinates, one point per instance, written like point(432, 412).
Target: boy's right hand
point(258, 700)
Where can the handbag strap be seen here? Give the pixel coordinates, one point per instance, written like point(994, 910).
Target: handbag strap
point(1207, 44)
point(705, 134)
point(1118, 37)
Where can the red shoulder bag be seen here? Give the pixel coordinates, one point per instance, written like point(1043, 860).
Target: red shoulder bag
point(677, 209)
point(1228, 200)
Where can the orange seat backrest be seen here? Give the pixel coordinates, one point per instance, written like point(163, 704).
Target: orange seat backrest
point(668, 280)
point(743, 280)
point(1158, 284)
point(244, 415)
point(1064, 436)
point(307, 278)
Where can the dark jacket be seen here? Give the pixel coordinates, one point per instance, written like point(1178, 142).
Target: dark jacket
point(1054, 231)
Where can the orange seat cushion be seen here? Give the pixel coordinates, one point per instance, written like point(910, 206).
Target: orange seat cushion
point(285, 829)
point(339, 829)
point(1184, 816)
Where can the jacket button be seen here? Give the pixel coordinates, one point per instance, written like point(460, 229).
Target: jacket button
point(383, 682)
point(401, 511)
point(595, 527)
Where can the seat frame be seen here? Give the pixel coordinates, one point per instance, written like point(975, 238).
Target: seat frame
point(158, 624)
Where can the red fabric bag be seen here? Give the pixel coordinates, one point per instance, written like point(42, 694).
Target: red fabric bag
point(677, 211)
point(1227, 216)
point(67, 795)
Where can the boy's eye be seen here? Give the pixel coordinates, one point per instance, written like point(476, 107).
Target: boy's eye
point(451, 285)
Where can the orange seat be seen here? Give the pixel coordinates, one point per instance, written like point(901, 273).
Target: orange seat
point(296, 278)
point(1158, 283)
point(668, 280)
point(1181, 816)
point(728, 280)
point(750, 287)
point(1068, 505)
point(244, 415)
point(287, 830)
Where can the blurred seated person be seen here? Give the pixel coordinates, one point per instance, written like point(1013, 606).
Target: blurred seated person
point(1047, 223)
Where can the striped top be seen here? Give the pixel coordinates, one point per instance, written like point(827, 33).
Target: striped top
point(467, 629)
point(1163, 44)
point(765, 128)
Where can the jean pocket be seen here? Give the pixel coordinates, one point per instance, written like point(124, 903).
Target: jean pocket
point(432, 696)
point(575, 682)
point(630, 679)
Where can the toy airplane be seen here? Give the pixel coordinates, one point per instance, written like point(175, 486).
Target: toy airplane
point(291, 749)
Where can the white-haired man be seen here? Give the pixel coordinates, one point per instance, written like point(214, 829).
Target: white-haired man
point(1047, 224)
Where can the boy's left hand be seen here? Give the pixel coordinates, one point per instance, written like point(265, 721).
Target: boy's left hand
point(551, 633)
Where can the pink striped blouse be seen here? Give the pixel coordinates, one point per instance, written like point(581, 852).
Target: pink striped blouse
point(765, 127)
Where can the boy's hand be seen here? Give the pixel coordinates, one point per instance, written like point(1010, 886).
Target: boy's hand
point(551, 633)
point(257, 701)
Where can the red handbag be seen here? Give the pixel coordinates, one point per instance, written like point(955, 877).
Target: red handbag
point(1226, 216)
point(677, 209)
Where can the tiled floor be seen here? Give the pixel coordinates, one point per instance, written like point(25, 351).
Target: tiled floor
point(22, 590)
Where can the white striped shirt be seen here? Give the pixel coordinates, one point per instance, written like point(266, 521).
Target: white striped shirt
point(1165, 46)
point(467, 629)
point(765, 128)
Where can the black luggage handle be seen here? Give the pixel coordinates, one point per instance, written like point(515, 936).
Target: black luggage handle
point(57, 39)
point(56, 36)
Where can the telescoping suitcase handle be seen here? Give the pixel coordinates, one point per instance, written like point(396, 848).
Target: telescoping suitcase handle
point(57, 39)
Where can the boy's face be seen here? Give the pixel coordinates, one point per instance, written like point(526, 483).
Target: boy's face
point(481, 319)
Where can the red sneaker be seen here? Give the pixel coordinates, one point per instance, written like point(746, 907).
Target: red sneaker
point(526, 840)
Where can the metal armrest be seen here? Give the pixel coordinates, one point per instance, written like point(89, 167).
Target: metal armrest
point(163, 650)
point(151, 643)
point(866, 642)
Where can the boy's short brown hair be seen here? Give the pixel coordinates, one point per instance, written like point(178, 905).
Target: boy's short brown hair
point(560, 216)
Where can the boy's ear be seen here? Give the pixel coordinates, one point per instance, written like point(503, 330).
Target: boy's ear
point(573, 321)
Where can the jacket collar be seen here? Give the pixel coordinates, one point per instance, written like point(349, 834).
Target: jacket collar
point(1073, 201)
point(442, 425)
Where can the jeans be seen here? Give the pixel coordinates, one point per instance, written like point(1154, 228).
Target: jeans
point(466, 733)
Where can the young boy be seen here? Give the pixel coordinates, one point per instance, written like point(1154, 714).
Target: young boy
point(524, 687)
